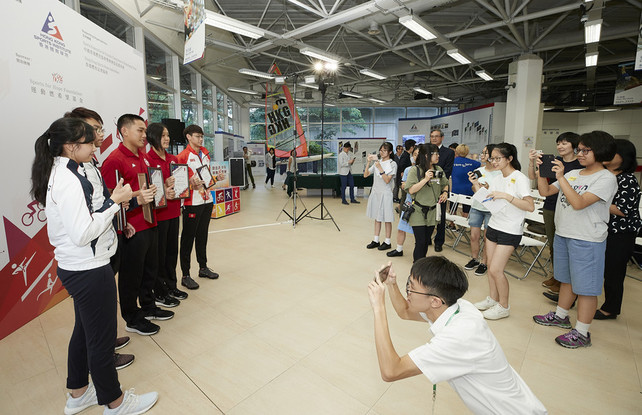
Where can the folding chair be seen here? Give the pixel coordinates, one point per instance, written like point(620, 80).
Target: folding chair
point(453, 199)
point(532, 244)
point(461, 223)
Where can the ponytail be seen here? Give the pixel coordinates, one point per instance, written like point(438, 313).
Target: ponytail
point(50, 145)
point(508, 150)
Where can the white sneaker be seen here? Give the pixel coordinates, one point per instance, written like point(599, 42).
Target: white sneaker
point(79, 404)
point(485, 304)
point(133, 404)
point(496, 312)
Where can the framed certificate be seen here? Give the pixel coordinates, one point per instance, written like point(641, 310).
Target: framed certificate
point(121, 216)
point(180, 173)
point(206, 175)
point(148, 212)
point(156, 178)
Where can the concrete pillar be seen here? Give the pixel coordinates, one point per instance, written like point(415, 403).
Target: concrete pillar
point(523, 113)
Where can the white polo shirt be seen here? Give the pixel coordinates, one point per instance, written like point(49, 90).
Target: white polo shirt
point(465, 353)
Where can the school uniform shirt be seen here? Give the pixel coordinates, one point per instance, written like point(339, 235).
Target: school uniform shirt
point(486, 177)
point(195, 159)
point(129, 165)
point(343, 163)
point(591, 223)
point(79, 226)
point(511, 218)
point(270, 161)
point(173, 208)
point(464, 352)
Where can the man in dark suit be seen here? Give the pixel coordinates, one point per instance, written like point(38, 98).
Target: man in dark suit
point(446, 161)
point(404, 161)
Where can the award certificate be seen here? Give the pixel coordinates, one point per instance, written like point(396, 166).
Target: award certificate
point(206, 175)
point(156, 178)
point(181, 180)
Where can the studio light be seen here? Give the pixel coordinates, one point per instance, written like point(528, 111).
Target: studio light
point(232, 25)
point(591, 59)
point(592, 31)
point(484, 75)
point(373, 74)
point(319, 54)
point(454, 53)
point(243, 90)
point(421, 91)
point(258, 74)
point(418, 26)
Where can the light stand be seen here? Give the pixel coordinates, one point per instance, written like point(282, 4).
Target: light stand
point(295, 195)
point(323, 215)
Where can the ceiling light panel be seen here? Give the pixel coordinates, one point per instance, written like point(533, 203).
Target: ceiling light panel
point(232, 25)
point(454, 53)
point(484, 75)
point(421, 90)
point(418, 26)
point(319, 54)
point(243, 90)
point(258, 74)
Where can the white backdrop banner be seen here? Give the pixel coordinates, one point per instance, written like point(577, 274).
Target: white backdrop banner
point(52, 60)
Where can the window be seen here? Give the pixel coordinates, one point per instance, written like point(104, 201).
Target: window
point(189, 114)
point(93, 10)
point(157, 62)
point(188, 84)
point(160, 103)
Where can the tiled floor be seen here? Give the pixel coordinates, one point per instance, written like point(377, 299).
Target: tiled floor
point(287, 329)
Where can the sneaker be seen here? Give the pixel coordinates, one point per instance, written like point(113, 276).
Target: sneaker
point(207, 273)
point(373, 245)
point(133, 404)
point(177, 294)
point(189, 283)
point(472, 264)
point(496, 312)
point(384, 247)
point(167, 301)
point(551, 319)
point(79, 404)
point(121, 361)
point(159, 314)
point(481, 270)
point(394, 252)
point(144, 328)
point(548, 282)
point(121, 342)
point(574, 339)
point(485, 304)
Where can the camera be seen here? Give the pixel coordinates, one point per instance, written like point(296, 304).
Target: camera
point(437, 174)
point(477, 174)
point(406, 210)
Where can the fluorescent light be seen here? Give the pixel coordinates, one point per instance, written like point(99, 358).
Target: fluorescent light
point(329, 105)
point(443, 98)
point(232, 25)
point(421, 90)
point(484, 75)
point(319, 54)
point(608, 109)
point(418, 26)
point(373, 74)
point(549, 107)
point(592, 31)
point(259, 74)
point(313, 86)
point(310, 79)
point(351, 94)
point(574, 109)
point(378, 101)
point(256, 104)
point(243, 91)
point(454, 53)
point(591, 59)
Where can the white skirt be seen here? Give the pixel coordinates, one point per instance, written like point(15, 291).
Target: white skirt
point(380, 207)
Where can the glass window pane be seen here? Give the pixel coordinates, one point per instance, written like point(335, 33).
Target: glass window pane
point(356, 114)
point(220, 122)
point(160, 103)
point(388, 131)
point(188, 111)
point(389, 114)
point(257, 114)
point(208, 143)
point(355, 130)
point(230, 125)
point(422, 112)
point(209, 122)
point(156, 62)
point(207, 93)
point(188, 86)
point(220, 99)
point(93, 10)
point(230, 108)
point(257, 132)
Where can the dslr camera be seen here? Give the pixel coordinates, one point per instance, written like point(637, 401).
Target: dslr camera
point(406, 210)
point(437, 174)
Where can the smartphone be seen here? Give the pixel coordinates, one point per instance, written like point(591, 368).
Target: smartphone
point(477, 174)
point(546, 168)
point(383, 274)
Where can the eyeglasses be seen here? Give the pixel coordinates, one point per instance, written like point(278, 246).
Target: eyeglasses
point(494, 159)
point(99, 130)
point(584, 151)
point(408, 291)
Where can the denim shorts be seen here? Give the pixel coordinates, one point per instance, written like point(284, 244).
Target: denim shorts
point(476, 217)
point(579, 263)
point(503, 238)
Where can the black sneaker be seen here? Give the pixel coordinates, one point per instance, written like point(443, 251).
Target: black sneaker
point(121, 342)
point(355, 202)
point(384, 247)
point(176, 293)
point(207, 273)
point(144, 328)
point(394, 252)
point(189, 283)
point(159, 314)
point(481, 270)
point(438, 248)
point(121, 361)
point(167, 301)
point(373, 245)
point(472, 264)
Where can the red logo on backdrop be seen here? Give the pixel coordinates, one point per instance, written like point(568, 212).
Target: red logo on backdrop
point(51, 28)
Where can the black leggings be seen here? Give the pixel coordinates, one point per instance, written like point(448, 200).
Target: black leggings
point(270, 176)
point(619, 248)
point(422, 240)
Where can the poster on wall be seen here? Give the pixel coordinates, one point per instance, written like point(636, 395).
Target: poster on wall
point(475, 131)
point(194, 17)
point(627, 87)
point(56, 61)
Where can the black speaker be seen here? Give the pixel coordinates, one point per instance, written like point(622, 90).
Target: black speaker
point(237, 172)
point(175, 128)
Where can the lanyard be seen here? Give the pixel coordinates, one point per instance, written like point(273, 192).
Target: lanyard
point(434, 386)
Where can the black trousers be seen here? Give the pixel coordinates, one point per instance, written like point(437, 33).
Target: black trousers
point(347, 181)
point(440, 237)
point(91, 347)
point(422, 240)
point(248, 172)
point(270, 175)
point(619, 248)
point(137, 276)
point(196, 223)
point(115, 259)
point(167, 256)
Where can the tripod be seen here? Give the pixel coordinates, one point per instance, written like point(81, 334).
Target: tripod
point(323, 215)
point(295, 195)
